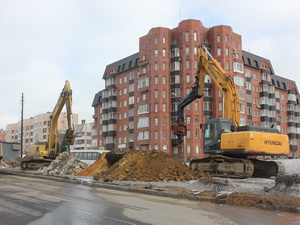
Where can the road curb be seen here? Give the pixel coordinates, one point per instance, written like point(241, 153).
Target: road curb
point(217, 200)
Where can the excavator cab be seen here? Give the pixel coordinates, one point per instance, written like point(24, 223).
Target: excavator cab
point(212, 134)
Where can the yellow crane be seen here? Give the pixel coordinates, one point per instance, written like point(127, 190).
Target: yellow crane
point(58, 142)
point(233, 147)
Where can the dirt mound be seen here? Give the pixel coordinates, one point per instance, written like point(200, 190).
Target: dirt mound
point(97, 167)
point(67, 164)
point(148, 166)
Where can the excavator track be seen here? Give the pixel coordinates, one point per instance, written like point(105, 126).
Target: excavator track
point(266, 169)
point(221, 166)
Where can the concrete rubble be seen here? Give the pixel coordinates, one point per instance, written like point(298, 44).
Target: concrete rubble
point(67, 164)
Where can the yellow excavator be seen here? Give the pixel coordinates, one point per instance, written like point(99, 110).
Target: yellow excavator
point(42, 154)
point(234, 149)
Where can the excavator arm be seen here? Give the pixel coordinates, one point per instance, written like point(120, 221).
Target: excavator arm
point(224, 82)
point(65, 99)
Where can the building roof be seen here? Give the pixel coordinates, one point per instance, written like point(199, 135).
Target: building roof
point(254, 61)
point(282, 83)
point(125, 64)
point(97, 99)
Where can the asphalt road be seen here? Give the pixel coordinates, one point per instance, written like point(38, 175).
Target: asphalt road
point(27, 200)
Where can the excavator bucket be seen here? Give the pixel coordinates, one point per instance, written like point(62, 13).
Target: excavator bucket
point(113, 157)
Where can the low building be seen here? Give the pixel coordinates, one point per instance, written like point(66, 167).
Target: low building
point(9, 150)
point(83, 136)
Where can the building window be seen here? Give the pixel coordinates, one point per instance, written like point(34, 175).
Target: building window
point(195, 36)
point(144, 82)
point(156, 53)
point(238, 67)
point(164, 107)
point(164, 134)
point(156, 135)
point(219, 51)
point(164, 80)
point(143, 122)
point(164, 94)
point(156, 80)
point(164, 66)
point(156, 66)
point(164, 121)
point(241, 94)
point(174, 106)
point(164, 53)
point(187, 51)
point(220, 106)
point(156, 121)
point(188, 120)
point(196, 106)
point(164, 40)
point(187, 64)
point(143, 135)
point(156, 94)
point(254, 76)
point(227, 51)
point(227, 65)
point(239, 81)
point(218, 38)
point(187, 36)
point(143, 108)
point(175, 66)
point(187, 78)
point(226, 38)
point(242, 108)
point(196, 133)
point(156, 108)
point(131, 75)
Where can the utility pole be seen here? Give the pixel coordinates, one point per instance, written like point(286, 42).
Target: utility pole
point(21, 142)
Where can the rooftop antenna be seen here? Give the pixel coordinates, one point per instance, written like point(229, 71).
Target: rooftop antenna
point(179, 10)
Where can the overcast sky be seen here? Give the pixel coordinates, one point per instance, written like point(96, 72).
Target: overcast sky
point(45, 42)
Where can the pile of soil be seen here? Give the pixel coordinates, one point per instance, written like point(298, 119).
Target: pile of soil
point(97, 167)
point(67, 164)
point(148, 166)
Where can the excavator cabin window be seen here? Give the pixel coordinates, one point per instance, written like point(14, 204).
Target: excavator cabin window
point(212, 132)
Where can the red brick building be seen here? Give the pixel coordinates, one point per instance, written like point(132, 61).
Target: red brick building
point(138, 107)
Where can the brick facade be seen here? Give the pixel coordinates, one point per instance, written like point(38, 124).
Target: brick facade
point(138, 107)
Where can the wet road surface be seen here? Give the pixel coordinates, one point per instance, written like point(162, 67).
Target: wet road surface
point(28, 200)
